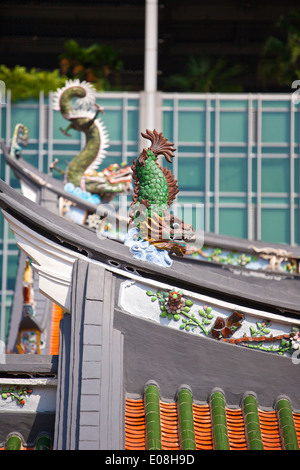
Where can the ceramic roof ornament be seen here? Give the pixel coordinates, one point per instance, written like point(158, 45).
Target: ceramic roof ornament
point(155, 190)
point(82, 170)
point(29, 335)
point(19, 140)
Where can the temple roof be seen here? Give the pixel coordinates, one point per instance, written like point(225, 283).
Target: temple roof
point(183, 424)
point(30, 174)
point(279, 292)
point(37, 179)
point(117, 349)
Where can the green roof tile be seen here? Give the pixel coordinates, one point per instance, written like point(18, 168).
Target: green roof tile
point(186, 421)
point(287, 425)
point(219, 424)
point(152, 411)
point(13, 443)
point(212, 425)
point(251, 418)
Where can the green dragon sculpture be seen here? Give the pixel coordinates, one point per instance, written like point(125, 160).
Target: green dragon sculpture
point(155, 190)
point(83, 117)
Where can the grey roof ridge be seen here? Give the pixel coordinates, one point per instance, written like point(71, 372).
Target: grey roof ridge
point(282, 296)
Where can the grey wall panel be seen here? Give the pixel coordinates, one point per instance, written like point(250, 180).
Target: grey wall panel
point(90, 392)
point(171, 358)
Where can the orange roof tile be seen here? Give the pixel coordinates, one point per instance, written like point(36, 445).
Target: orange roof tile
point(57, 314)
point(135, 427)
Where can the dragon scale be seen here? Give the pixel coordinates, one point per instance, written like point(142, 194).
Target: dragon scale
point(82, 161)
point(153, 186)
point(155, 190)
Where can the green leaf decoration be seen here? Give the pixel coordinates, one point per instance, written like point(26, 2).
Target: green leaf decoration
point(208, 310)
point(163, 314)
point(176, 316)
point(186, 309)
point(210, 316)
point(252, 330)
point(202, 313)
point(182, 326)
point(153, 299)
point(149, 292)
point(16, 393)
point(188, 303)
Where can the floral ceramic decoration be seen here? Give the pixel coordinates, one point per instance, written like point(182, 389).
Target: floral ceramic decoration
point(212, 318)
point(15, 393)
point(174, 306)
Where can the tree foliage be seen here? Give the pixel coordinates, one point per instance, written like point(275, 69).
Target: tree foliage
point(280, 62)
point(99, 64)
point(25, 84)
point(204, 75)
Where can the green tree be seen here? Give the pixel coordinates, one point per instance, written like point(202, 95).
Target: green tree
point(25, 84)
point(205, 75)
point(280, 61)
point(99, 64)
